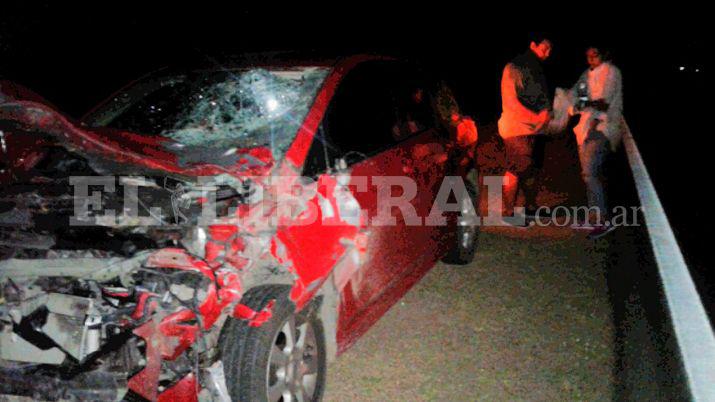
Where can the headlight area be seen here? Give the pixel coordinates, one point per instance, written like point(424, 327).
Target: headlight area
point(61, 338)
point(113, 328)
point(121, 311)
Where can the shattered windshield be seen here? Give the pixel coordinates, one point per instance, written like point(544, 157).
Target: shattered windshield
point(223, 110)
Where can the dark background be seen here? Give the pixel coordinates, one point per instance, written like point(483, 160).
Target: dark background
point(77, 55)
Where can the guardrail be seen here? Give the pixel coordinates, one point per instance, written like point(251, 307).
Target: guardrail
point(691, 327)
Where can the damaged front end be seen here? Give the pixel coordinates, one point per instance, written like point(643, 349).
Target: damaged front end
point(113, 312)
point(116, 310)
point(118, 287)
point(136, 313)
point(97, 306)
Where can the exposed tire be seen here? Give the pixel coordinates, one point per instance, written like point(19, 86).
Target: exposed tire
point(267, 363)
point(467, 236)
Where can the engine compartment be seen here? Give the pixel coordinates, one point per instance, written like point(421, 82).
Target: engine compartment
point(115, 282)
point(110, 309)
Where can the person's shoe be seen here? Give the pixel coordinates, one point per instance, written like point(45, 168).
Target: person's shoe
point(531, 212)
point(514, 221)
point(519, 225)
point(581, 224)
point(600, 231)
point(537, 215)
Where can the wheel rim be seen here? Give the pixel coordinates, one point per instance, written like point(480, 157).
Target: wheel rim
point(293, 363)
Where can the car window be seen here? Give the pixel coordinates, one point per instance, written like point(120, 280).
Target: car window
point(376, 106)
point(414, 104)
point(155, 111)
point(131, 96)
point(221, 110)
point(363, 114)
point(320, 157)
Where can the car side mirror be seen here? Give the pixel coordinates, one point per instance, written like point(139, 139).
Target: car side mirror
point(341, 172)
point(348, 159)
point(341, 165)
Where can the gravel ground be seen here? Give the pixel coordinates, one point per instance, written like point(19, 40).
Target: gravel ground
point(528, 320)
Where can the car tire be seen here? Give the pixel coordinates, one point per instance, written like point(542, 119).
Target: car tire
point(265, 363)
point(467, 237)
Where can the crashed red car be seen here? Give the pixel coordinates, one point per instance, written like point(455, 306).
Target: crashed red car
point(116, 284)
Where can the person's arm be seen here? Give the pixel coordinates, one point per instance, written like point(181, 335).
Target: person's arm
point(612, 89)
point(512, 81)
point(610, 93)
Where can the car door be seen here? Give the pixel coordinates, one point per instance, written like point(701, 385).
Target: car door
point(424, 144)
point(362, 127)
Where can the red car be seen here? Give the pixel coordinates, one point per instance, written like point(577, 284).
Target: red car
point(115, 281)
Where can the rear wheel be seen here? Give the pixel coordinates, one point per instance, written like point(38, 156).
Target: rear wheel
point(282, 360)
point(467, 236)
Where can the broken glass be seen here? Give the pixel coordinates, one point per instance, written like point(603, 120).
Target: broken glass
point(212, 113)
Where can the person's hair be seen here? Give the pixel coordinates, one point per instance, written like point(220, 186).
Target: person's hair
point(538, 37)
point(604, 53)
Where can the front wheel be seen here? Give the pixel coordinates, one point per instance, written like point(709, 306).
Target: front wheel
point(467, 236)
point(282, 360)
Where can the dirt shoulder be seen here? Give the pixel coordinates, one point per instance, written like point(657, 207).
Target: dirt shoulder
point(528, 320)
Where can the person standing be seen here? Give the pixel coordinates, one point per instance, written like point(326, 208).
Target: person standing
point(599, 100)
point(526, 110)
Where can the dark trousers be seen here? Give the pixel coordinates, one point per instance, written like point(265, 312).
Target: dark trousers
point(524, 159)
point(594, 154)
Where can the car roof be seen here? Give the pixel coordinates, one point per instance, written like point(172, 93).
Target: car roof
point(218, 62)
point(229, 62)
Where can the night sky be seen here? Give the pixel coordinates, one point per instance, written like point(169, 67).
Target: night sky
point(77, 55)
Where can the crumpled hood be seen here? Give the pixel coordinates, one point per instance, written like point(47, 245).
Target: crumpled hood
point(29, 126)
